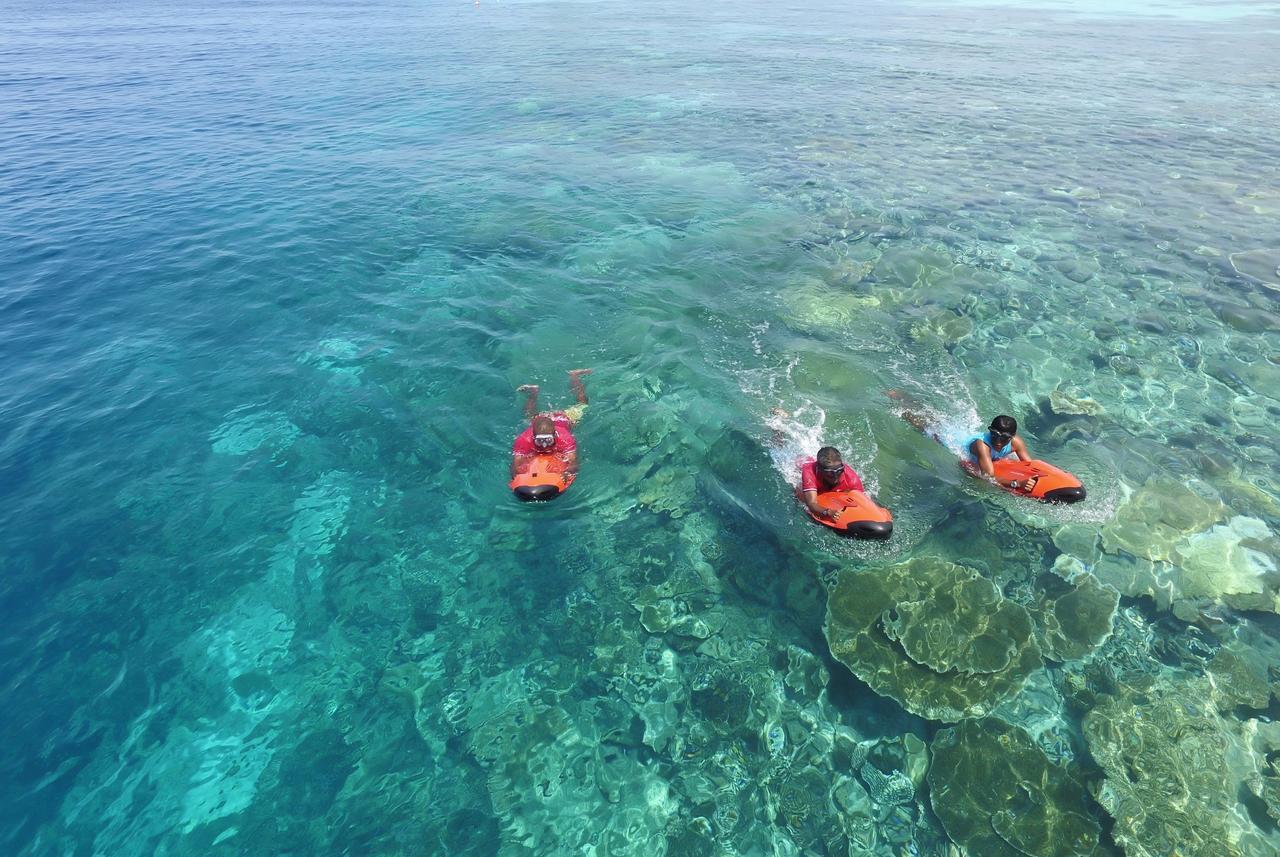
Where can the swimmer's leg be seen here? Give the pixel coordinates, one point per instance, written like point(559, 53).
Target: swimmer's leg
point(531, 403)
point(575, 384)
point(778, 438)
point(916, 421)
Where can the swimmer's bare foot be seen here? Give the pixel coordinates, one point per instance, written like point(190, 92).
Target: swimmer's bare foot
point(896, 395)
point(778, 412)
point(527, 388)
point(575, 373)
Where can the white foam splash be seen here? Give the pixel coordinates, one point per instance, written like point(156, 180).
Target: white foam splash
point(796, 435)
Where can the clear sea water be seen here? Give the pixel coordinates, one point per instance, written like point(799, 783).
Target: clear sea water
point(271, 272)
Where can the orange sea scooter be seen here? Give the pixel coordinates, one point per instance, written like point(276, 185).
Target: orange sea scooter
point(1049, 484)
point(860, 517)
point(543, 478)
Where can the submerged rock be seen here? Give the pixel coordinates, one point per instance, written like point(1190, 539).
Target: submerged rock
point(924, 631)
point(998, 795)
point(1152, 322)
point(667, 489)
point(1231, 561)
point(806, 675)
point(935, 636)
point(802, 795)
point(1078, 540)
point(1157, 517)
point(1262, 265)
point(853, 808)
point(246, 430)
point(947, 325)
point(1063, 403)
point(1075, 194)
point(1079, 270)
point(548, 764)
point(1247, 319)
point(812, 306)
point(912, 266)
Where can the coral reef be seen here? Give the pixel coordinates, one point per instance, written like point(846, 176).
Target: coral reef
point(1171, 543)
point(1072, 610)
point(935, 636)
point(998, 795)
point(267, 591)
point(1174, 766)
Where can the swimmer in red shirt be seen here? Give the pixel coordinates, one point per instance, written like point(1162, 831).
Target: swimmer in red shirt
point(550, 432)
point(827, 473)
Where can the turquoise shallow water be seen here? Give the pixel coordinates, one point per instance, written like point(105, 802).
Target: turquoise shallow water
point(272, 272)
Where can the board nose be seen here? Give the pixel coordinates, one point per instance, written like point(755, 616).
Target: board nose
point(1065, 495)
point(870, 529)
point(529, 493)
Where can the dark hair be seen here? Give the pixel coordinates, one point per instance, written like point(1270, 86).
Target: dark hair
point(829, 455)
point(1004, 425)
point(542, 421)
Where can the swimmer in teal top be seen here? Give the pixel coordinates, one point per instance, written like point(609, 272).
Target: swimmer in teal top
point(1000, 440)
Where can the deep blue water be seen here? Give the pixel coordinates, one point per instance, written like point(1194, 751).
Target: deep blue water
point(269, 277)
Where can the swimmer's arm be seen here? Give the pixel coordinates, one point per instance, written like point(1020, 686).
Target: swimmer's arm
point(519, 462)
point(531, 399)
point(983, 452)
point(810, 499)
point(1021, 449)
point(570, 462)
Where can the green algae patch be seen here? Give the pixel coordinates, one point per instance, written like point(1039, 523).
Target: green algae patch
point(935, 636)
point(998, 795)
